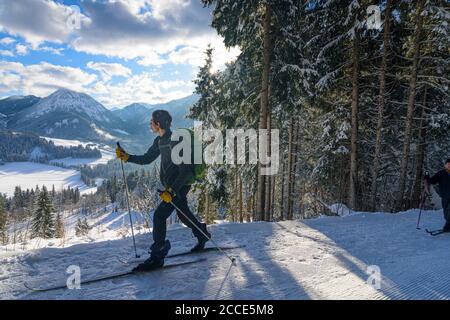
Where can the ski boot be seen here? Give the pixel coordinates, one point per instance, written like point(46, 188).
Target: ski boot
point(202, 240)
point(446, 227)
point(156, 259)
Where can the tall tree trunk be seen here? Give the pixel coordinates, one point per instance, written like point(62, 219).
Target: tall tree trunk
point(236, 195)
point(421, 151)
point(268, 179)
point(241, 204)
point(272, 199)
point(208, 221)
point(410, 112)
point(249, 207)
point(354, 133)
point(381, 103)
point(290, 168)
point(283, 166)
point(297, 180)
point(294, 166)
point(261, 191)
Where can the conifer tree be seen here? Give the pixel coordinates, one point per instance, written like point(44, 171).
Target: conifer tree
point(43, 224)
point(3, 223)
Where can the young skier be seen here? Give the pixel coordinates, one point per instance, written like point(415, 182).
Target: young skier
point(176, 179)
point(443, 179)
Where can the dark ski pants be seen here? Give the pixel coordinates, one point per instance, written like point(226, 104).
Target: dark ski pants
point(446, 208)
point(159, 248)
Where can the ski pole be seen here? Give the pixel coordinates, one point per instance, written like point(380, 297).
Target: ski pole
point(233, 260)
point(422, 203)
point(128, 204)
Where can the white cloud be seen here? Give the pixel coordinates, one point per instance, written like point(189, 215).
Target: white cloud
point(151, 32)
point(195, 56)
point(55, 51)
point(109, 70)
point(37, 21)
point(128, 29)
point(190, 55)
point(151, 59)
point(140, 88)
point(21, 50)
point(6, 53)
point(7, 41)
point(42, 79)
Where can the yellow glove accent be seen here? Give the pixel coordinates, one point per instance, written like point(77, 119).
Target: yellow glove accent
point(121, 154)
point(167, 196)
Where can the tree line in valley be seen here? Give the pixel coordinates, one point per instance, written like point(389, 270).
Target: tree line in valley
point(19, 146)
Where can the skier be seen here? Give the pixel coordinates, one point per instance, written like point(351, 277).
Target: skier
point(443, 179)
point(176, 178)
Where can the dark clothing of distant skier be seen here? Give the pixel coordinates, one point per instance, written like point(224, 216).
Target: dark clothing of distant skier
point(443, 179)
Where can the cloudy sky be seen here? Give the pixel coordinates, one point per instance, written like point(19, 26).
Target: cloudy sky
point(118, 51)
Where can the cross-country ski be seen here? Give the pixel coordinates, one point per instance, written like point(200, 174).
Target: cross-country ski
point(105, 277)
point(185, 253)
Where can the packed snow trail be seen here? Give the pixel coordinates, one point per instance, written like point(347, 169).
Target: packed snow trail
point(325, 258)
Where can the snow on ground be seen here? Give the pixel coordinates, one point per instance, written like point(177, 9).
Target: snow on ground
point(29, 174)
point(325, 258)
point(106, 151)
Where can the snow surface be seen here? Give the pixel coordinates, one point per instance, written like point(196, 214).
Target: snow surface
point(325, 258)
point(106, 151)
point(29, 174)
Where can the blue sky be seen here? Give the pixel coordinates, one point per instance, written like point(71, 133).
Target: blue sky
point(118, 51)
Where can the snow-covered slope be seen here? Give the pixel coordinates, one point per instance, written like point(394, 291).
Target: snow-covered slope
point(326, 258)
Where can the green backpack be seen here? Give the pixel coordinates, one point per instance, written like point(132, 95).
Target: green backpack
point(199, 169)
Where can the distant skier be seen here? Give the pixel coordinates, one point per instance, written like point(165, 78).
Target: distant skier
point(176, 180)
point(443, 179)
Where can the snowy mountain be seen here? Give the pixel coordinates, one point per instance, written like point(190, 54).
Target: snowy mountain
point(14, 104)
point(134, 112)
point(71, 115)
point(140, 114)
point(137, 120)
point(67, 114)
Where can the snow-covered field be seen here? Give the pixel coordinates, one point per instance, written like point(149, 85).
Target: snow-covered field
point(29, 174)
point(106, 151)
point(325, 258)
